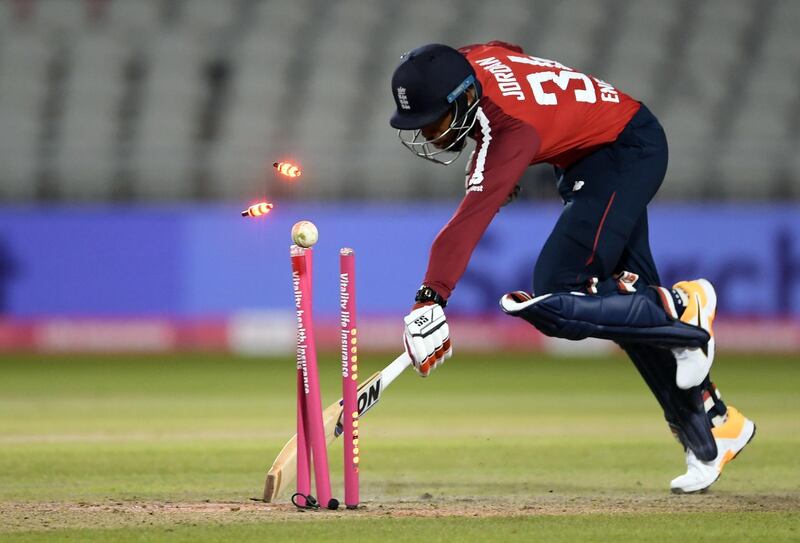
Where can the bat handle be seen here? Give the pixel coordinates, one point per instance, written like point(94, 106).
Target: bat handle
point(395, 368)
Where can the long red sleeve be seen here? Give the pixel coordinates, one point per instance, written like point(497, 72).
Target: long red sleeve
point(505, 147)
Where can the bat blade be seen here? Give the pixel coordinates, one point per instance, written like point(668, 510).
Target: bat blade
point(284, 469)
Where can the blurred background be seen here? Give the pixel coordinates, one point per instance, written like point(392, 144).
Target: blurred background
point(133, 132)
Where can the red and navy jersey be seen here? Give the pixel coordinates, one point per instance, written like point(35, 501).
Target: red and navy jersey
point(532, 110)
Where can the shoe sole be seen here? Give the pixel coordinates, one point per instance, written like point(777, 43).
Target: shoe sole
point(705, 488)
point(698, 491)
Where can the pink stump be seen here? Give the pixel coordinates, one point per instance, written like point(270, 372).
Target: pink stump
point(310, 413)
point(303, 452)
point(349, 339)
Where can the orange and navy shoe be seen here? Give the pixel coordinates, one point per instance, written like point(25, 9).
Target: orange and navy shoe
point(700, 307)
point(731, 437)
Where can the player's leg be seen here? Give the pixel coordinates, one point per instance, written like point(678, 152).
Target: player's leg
point(710, 432)
point(604, 225)
point(698, 417)
point(691, 414)
point(606, 194)
point(683, 409)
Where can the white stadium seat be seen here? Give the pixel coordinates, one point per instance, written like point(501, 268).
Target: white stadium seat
point(310, 78)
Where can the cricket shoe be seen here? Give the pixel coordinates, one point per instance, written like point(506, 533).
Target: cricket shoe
point(731, 437)
point(700, 303)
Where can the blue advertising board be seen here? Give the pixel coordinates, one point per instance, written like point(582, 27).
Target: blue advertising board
point(206, 260)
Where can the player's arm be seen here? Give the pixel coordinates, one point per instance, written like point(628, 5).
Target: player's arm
point(506, 146)
point(498, 163)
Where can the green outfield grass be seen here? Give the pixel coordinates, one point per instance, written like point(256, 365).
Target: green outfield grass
point(491, 447)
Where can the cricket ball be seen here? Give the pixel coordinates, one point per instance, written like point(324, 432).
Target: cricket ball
point(304, 234)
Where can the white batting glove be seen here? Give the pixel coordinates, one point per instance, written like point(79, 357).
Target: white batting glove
point(427, 337)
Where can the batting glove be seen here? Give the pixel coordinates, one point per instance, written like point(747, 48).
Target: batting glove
point(427, 337)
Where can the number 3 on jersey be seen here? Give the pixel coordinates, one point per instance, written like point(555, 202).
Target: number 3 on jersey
point(562, 78)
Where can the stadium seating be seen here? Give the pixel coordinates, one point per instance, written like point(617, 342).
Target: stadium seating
point(157, 99)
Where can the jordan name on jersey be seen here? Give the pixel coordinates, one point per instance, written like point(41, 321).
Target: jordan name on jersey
point(560, 75)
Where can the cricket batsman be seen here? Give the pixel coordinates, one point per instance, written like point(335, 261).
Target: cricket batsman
point(595, 275)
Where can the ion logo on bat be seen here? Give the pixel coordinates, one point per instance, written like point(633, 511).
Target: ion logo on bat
point(368, 395)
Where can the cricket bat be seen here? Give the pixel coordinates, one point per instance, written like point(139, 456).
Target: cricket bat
point(284, 468)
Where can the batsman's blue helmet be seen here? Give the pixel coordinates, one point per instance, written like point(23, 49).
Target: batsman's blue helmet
point(426, 83)
point(430, 81)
